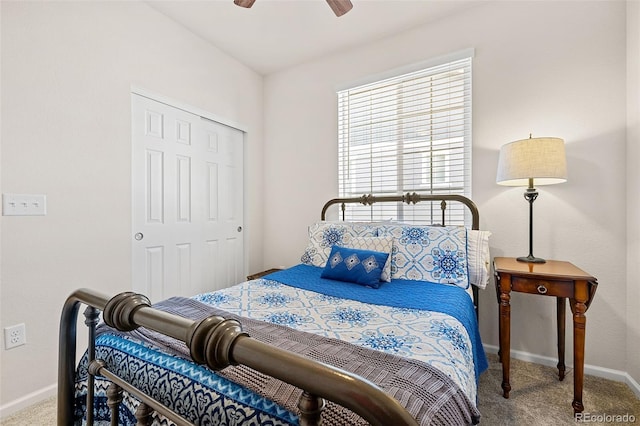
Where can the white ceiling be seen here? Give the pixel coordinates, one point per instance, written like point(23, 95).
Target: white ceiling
point(276, 34)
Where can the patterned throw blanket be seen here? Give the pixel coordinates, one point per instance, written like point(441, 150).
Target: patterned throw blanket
point(428, 394)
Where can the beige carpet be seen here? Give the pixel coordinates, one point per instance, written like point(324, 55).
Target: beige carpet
point(537, 398)
point(40, 414)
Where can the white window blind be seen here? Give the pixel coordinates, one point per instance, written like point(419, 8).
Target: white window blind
point(410, 133)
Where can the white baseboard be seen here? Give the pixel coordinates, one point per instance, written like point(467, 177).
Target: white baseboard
point(594, 370)
point(27, 401)
point(635, 386)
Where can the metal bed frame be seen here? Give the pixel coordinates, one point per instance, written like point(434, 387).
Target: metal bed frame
point(218, 342)
point(409, 198)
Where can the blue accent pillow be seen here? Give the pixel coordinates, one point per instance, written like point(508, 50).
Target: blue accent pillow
point(362, 267)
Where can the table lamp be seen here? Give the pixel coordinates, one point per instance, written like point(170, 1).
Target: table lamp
point(526, 162)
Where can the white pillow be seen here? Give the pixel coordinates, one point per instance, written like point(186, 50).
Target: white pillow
point(380, 244)
point(478, 257)
point(325, 234)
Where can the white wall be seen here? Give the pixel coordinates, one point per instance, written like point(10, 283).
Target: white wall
point(67, 72)
point(633, 189)
point(549, 68)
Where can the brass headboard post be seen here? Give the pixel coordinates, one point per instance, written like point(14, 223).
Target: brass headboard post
point(412, 198)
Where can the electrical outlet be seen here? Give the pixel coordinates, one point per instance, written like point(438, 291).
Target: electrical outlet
point(15, 335)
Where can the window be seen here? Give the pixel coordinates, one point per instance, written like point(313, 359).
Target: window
point(409, 133)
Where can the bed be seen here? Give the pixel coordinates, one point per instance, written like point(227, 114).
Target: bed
point(376, 325)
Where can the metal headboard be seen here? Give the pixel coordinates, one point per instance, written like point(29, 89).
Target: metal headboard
point(412, 198)
point(409, 198)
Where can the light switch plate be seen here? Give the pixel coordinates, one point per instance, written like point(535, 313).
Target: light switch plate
point(24, 204)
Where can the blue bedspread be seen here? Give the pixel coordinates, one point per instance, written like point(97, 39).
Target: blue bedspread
point(447, 299)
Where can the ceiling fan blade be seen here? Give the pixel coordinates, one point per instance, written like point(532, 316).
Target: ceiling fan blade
point(244, 3)
point(339, 7)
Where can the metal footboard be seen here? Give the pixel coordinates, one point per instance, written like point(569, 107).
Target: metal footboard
point(217, 343)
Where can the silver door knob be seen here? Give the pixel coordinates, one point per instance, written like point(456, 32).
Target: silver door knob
point(239, 228)
point(138, 236)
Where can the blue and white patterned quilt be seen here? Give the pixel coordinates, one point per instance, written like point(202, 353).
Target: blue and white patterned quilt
point(433, 323)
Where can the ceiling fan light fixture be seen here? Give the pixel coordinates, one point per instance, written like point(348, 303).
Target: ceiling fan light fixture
point(244, 3)
point(340, 7)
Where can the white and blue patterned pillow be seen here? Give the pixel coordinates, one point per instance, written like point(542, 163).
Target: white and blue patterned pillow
point(436, 254)
point(379, 244)
point(357, 266)
point(324, 235)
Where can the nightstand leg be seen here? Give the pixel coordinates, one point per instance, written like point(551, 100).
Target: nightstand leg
point(561, 336)
point(505, 341)
point(579, 328)
point(499, 330)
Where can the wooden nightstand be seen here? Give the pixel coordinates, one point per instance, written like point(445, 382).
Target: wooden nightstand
point(554, 278)
point(262, 274)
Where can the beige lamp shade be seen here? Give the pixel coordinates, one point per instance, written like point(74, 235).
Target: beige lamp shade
point(541, 159)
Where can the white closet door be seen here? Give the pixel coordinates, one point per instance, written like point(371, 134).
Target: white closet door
point(187, 202)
